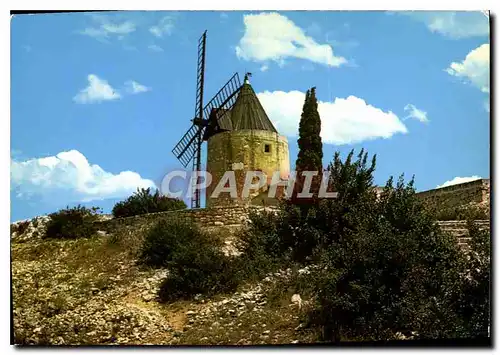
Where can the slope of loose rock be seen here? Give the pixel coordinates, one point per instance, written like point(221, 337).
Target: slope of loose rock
point(91, 291)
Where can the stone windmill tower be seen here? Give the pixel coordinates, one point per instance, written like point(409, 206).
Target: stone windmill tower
point(247, 141)
point(240, 138)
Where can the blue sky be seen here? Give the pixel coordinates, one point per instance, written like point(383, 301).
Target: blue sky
point(98, 100)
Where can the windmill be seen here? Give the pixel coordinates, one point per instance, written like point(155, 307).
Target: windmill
point(206, 118)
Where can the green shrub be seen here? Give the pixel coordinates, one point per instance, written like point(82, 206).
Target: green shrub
point(474, 301)
point(169, 236)
point(199, 270)
point(260, 244)
point(365, 292)
point(386, 267)
point(194, 259)
point(72, 223)
point(143, 201)
point(393, 270)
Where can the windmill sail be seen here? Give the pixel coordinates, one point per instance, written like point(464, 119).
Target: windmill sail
point(186, 148)
point(221, 104)
point(225, 97)
point(206, 119)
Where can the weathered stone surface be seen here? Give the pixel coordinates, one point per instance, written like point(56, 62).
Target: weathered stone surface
point(241, 151)
point(459, 230)
point(475, 193)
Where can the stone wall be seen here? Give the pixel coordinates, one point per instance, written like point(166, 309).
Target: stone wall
point(209, 219)
point(225, 221)
point(475, 193)
point(241, 151)
point(203, 217)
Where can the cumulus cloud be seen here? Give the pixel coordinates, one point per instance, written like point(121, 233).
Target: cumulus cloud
point(415, 113)
point(459, 180)
point(133, 87)
point(105, 27)
point(454, 24)
point(98, 90)
point(155, 48)
point(71, 175)
point(343, 121)
point(271, 36)
point(164, 27)
point(475, 68)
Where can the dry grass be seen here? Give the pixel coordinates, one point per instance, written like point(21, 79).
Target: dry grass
point(89, 291)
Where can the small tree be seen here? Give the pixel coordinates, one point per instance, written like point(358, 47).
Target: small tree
point(310, 154)
point(355, 202)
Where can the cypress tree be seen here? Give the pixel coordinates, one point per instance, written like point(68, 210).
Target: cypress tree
point(310, 154)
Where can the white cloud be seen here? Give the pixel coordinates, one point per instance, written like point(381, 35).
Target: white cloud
point(475, 68)
point(343, 121)
point(271, 36)
point(453, 24)
point(70, 175)
point(133, 87)
point(98, 90)
point(155, 48)
point(105, 28)
point(458, 180)
point(265, 67)
point(164, 27)
point(415, 113)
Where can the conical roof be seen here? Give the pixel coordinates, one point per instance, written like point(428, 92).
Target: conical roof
point(247, 113)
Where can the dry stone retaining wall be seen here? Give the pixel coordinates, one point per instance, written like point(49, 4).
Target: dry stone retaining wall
point(229, 218)
point(475, 192)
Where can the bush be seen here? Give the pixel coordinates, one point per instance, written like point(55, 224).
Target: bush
point(199, 270)
point(72, 223)
point(261, 244)
point(143, 201)
point(389, 268)
point(474, 302)
point(386, 265)
point(195, 260)
point(394, 273)
point(169, 236)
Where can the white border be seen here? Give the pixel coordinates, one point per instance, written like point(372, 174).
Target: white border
point(189, 5)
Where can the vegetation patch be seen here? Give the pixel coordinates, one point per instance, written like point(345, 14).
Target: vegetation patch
point(195, 260)
point(145, 201)
point(72, 223)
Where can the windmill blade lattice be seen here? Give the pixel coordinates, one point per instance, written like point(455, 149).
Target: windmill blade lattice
point(205, 122)
point(186, 148)
point(226, 97)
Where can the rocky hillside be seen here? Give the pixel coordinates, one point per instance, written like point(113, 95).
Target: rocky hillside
point(91, 291)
